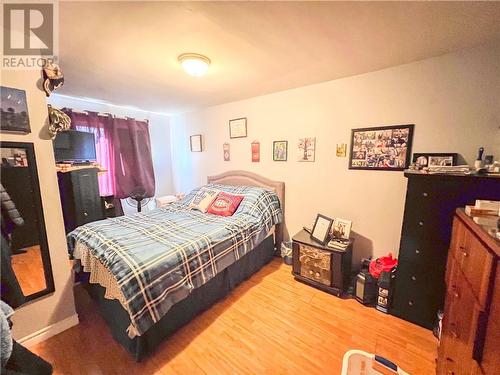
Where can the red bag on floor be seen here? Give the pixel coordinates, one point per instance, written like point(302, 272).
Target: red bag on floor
point(385, 263)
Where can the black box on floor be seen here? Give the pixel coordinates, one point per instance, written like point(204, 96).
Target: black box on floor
point(366, 288)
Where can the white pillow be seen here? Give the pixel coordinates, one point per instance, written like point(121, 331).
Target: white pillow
point(203, 199)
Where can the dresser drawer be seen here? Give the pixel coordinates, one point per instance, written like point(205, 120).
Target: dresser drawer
point(315, 264)
point(476, 264)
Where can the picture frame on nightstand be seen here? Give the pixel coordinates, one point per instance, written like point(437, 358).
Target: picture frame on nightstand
point(321, 229)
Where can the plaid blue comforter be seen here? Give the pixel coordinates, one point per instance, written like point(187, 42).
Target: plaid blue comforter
point(160, 256)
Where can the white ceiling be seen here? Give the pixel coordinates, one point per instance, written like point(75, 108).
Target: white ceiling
point(126, 52)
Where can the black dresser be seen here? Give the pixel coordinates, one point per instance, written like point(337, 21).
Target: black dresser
point(430, 205)
point(81, 203)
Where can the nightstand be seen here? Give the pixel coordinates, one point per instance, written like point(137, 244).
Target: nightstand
point(321, 266)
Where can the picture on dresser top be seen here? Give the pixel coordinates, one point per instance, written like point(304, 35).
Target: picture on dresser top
point(435, 159)
point(381, 148)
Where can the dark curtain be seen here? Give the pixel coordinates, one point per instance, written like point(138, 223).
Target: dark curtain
point(123, 147)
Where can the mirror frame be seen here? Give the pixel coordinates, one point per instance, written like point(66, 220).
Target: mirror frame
point(37, 200)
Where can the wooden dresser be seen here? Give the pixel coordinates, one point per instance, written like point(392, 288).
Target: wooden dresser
point(470, 339)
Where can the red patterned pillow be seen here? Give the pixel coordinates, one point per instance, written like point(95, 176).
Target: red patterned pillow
point(225, 204)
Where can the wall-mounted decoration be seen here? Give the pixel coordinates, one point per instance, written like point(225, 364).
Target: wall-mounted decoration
point(280, 150)
point(238, 128)
point(53, 78)
point(435, 159)
point(227, 153)
point(196, 143)
point(58, 121)
point(14, 110)
point(306, 149)
point(255, 152)
point(341, 150)
point(385, 148)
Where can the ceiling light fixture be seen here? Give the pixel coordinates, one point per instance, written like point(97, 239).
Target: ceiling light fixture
point(194, 64)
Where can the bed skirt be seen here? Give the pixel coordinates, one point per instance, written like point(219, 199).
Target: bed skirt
point(183, 311)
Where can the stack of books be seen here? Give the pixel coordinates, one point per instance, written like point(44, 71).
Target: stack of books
point(484, 212)
point(338, 244)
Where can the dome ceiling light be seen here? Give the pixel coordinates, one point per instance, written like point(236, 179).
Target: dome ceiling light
point(194, 64)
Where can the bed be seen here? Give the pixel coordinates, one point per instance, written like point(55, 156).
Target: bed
point(152, 273)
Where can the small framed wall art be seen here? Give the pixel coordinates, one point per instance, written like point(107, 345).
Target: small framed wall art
point(280, 150)
point(435, 159)
point(14, 108)
point(195, 143)
point(386, 148)
point(321, 229)
point(238, 128)
point(306, 149)
point(255, 152)
point(227, 151)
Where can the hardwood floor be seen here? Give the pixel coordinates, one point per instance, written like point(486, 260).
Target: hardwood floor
point(28, 268)
point(270, 324)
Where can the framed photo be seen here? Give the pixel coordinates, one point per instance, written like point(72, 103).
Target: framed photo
point(321, 229)
point(435, 159)
point(386, 148)
point(341, 228)
point(306, 149)
point(14, 108)
point(280, 150)
point(238, 128)
point(196, 143)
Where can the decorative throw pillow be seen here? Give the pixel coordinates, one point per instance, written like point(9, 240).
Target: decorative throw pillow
point(202, 199)
point(225, 204)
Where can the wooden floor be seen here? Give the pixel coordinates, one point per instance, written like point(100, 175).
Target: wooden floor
point(28, 268)
point(270, 324)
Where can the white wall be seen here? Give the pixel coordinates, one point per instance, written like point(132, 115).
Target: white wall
point(159, 133)
point(57, 308)
point(453, 100)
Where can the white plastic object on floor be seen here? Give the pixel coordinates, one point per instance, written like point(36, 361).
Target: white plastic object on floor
point(358, 362)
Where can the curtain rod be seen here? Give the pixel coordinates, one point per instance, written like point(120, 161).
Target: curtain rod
point(104, 114)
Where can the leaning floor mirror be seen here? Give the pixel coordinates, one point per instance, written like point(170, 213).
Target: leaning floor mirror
point(26, 270)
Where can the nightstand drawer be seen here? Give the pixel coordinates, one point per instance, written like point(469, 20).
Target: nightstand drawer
point(315, 264)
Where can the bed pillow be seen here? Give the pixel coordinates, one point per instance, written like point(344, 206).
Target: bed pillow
point(202, 199)
point(225, 204)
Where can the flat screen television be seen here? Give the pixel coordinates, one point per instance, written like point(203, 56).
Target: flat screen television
point(74, 146)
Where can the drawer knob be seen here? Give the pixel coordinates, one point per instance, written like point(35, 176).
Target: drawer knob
point(317, 274)
point(311, 272)
point(456, 295)
point(464, 251)
point(410, 303)
point(421, 223)
point(425, 194)
point(417, 251)
point(414, 278)
point(85, 214)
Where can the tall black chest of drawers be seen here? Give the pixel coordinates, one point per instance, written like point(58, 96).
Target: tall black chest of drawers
point(431, 201)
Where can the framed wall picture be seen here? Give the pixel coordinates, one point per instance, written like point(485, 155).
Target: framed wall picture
point(14, 111)
point(306, 149)
point(255, 151)
point(238, 128)
point(386, 148)
point(280, 150)
point(195, 143)
point(435, 159)
point(321, 229)
point(227, 151)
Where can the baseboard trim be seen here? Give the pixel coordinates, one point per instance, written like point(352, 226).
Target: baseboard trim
point(49, 331)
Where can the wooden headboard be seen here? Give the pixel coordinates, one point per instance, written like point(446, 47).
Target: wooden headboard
point(244, 178)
